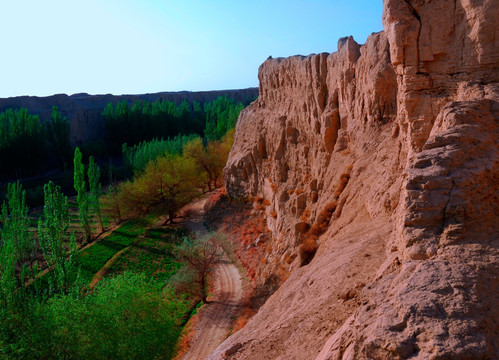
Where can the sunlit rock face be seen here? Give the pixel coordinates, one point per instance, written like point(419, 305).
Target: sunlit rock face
point(380, 164)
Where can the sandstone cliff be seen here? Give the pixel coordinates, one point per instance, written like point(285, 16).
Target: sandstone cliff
point(380, 165)
point(84, 111)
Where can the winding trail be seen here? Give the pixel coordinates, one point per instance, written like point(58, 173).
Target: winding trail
point(216, 317)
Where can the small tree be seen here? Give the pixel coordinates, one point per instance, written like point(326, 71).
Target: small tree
point(112, 204)
point(200, 255)
point(82, 198)
point(95, 190)
point(218, 153)
point(196, 151)
point(167, 184)
point(210, 159)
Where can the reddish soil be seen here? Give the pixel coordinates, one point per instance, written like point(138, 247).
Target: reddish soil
point(215, 319)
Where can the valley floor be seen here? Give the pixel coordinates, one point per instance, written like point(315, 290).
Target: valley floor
point(214, 321)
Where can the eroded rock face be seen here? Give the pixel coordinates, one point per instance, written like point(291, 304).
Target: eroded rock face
point(385, 156)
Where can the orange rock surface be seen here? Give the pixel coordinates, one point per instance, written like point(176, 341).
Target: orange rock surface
point(380, 163)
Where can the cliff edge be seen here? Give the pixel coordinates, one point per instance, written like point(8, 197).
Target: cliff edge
point(379, 163)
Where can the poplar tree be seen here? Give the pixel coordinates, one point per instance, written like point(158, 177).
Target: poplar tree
point(82, 197)
point(58, 131)
point(15, 228)
point(95, 189)
point(53, 234)
point(16, 247)
point(8, 280)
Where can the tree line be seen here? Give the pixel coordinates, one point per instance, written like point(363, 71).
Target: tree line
point(25, 142)
point(29, 146)
point(144, 120)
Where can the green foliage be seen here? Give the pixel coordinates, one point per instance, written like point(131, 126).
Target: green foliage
point(166, 184)
point(15, 224)
point(199, 256)
point(143, 121)
point(137, 157)
point(58, 132)
point(54, 237)
point(95, 190)
point(16, 245)
point(221, 116)
point(126, 317)
point(210, 159)
point(93, 258)
point(81, 189)
point(8, 280)
point(152, 256)
point(22, 143)
point(171, 180)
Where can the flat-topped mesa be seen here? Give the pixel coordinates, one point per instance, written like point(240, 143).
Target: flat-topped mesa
point(380, 164)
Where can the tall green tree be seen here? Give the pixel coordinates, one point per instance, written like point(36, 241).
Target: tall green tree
point(16, 247)
point(95, 190)
point(82, 197)
point(58, 132)
point(8, 280)
point(58, 245)
point(15, 224)
point(221, 116)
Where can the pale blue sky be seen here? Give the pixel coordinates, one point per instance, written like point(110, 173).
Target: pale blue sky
point(140, 46)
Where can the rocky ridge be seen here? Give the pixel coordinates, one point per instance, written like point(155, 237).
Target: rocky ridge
point(379, 163)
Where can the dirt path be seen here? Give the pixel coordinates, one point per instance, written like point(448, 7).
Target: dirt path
point(215, 318)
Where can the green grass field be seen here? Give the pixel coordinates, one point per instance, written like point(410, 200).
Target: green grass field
point(93, 258)
point(152, 255)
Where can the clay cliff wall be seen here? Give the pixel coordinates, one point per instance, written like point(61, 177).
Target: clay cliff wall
point(380, 165)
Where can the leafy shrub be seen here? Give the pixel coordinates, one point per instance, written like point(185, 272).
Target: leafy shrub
point(126, 317)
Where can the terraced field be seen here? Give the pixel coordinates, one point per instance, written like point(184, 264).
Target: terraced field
point(151, 255)
point(94, 257)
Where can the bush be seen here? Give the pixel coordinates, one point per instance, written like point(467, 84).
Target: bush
point(126, 317)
